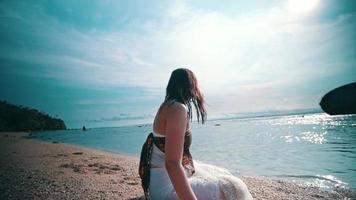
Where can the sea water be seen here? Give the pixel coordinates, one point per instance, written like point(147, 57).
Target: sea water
point(315, 149)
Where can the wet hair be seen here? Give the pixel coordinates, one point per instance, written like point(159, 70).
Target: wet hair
point(183, 87)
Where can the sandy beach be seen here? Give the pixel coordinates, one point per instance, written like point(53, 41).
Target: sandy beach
point(33, 169)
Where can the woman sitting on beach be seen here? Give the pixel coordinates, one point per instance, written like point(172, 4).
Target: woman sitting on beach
point(166, 167)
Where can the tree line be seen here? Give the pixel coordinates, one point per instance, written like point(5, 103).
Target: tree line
point(19, 118)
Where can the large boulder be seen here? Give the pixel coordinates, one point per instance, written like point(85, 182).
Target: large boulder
point(341, 100)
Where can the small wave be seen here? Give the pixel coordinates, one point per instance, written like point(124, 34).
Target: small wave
point(322, 181)
point(343, 143)
point(310, 177)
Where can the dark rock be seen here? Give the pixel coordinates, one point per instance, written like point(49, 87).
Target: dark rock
point(341, 100)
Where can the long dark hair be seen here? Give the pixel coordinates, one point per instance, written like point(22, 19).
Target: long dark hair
point(183, 87)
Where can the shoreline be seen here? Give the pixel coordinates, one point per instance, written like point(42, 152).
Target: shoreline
point(136, 156)
point(37, 169)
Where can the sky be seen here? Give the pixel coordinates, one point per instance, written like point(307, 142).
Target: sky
point(107, 63)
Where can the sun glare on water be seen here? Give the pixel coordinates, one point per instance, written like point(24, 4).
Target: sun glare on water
point(301, 6)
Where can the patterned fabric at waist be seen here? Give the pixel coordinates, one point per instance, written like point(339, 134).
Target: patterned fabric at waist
point(146, 154)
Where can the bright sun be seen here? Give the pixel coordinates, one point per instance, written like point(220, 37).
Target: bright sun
point(301, 6)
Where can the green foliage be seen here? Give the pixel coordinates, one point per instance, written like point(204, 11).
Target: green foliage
point(19, 118)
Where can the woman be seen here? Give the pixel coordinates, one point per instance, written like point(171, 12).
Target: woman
point(166, 165)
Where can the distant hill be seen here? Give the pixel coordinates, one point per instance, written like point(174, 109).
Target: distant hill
point(340, 101)
point(18, 118)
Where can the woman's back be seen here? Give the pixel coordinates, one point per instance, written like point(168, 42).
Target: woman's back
point(160, 121)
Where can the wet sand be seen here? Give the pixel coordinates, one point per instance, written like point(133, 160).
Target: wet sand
point(33, 169)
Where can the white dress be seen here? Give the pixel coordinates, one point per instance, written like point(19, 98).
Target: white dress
point(208, 182)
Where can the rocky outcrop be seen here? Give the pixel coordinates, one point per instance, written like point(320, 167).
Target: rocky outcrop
point(18, 118)
point(341, 100)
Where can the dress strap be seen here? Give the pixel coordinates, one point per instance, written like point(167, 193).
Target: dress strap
point(157, 135)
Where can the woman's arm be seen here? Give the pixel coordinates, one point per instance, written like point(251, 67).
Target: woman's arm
point(175, 130)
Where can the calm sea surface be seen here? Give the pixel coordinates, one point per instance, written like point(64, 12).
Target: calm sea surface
point(315, 149)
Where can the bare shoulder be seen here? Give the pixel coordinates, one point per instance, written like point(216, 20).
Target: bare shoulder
point(177, 107)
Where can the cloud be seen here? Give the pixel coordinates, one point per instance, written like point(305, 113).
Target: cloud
point(245, 61)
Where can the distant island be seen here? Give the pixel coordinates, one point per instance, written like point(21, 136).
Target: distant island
point(19, 118)
point(340, 101)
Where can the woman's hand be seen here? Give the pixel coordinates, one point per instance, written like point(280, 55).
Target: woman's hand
point(175, 129)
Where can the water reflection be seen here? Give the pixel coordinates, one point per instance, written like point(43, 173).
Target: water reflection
point(312, 137)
